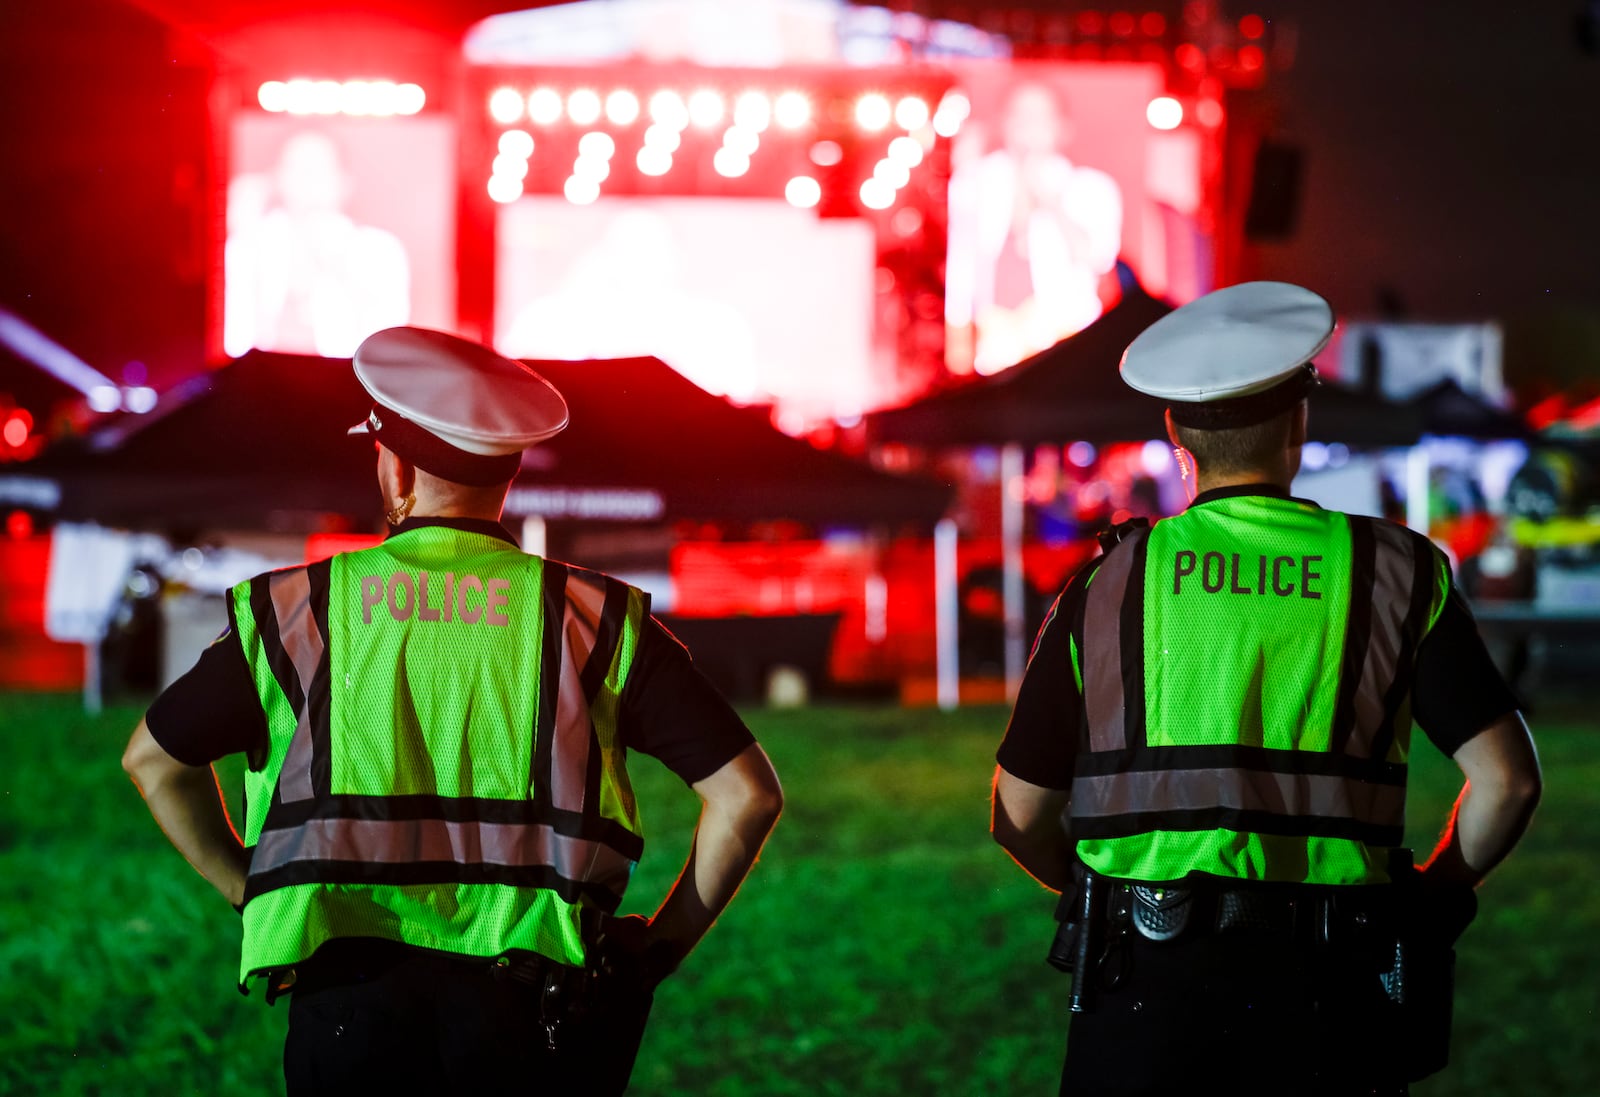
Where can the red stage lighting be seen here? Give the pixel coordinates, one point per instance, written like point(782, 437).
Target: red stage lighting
point(792, 110)
point(545, 106)
point(877, 194)
point(803, 191)
point(663, 139)
point(730, 163)
point(667, 109)
point(653, 160)
point(518, 143)
point(1152, 24)
point(742, 141)
point(583, 106)
point(1122, 24)
point(505, 106)
point(706, 108)
point(596, 146)
point(911, 113)
point(505, 188)
point(512, 167)
point(1164, 113)
point(1251, 58)
point(19, 525)
point(873, 112)
point(18, 426)
point(1252, 27)
point(581, 191)
point(825, 154)
point(622, 107)
point(753, 111)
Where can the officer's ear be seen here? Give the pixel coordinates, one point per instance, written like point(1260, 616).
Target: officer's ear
point(397, 477)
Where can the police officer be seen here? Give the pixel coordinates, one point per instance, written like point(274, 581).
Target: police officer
point(1208, 752)
point(438, 820)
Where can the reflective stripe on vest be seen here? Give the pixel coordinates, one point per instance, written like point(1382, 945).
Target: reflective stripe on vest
point(367, 787)
point(1343, 780)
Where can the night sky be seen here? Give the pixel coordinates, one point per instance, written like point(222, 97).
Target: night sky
point(1451, 154)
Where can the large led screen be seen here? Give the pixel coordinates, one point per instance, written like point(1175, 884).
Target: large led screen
point(749, 298)
point(1048, 189)
point(337, 227)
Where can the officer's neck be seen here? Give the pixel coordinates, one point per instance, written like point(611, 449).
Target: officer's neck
point(1279, 474)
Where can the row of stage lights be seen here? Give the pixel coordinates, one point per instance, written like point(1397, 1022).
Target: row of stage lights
point(706, 109)
point(360, 98)
point(753, 112)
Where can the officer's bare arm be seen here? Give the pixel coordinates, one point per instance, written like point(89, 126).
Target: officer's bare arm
point(1502, 789)
point(740, 804)
point(1028, 823)
point(187, 802)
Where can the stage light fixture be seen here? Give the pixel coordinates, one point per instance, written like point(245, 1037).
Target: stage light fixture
point(911, 113)
point(545, 106)
point(873, 112)
point(667, 109)
point(516, 143)
point(753, 111)
point(18, 426)
point(892, 172)
point(705, 108)
point(953, 110)
point(740, 140)
point(596, 146)
point(591, 168)
point(730, 163)
point(1164, 113)
point(792, 110)
point(622, 107)
point(325, 97)
point(515, 167)
point(409, 99)
point(358, 97)
point(906, 150)
point(140, 399)
point(504, 189)
point(300, 97)
point(876, 194)
point(664, 138)
point(581, 191)
point(583, 106)
point(104, 398)
point(273, 96)
point(803, 191)
point(653, 160)
point(825, 154)
point(505, 106)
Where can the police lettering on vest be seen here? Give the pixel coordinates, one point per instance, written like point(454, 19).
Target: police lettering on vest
point(1214, 573)
point(468, 599)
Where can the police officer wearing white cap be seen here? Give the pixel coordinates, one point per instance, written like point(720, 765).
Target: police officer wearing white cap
point(1208, 753)
point(439, 823)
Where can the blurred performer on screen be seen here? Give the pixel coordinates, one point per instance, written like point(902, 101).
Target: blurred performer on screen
point(1031, 233)
point(301, 275)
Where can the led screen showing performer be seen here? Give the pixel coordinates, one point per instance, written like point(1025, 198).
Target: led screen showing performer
point(1046, 185)
point(322, 247)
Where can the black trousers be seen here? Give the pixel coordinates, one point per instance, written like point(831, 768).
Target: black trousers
point(404, 1021)
point(1244, 1014)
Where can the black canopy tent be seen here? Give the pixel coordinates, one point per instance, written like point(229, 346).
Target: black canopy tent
point(262, 440)
point(1073, 392)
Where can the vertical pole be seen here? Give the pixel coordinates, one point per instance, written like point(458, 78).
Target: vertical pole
point(1417, 467)
point(533, 535)
point(945, 614)
point(1012, 489)
point(92, 693)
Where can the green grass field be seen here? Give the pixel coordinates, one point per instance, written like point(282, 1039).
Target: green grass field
point(883, 946)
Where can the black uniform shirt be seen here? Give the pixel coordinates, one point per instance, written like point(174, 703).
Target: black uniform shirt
point(1456, 693)
point(669, 709)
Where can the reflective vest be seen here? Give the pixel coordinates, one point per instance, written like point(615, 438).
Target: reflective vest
point(444, 767)
point(1246, 674)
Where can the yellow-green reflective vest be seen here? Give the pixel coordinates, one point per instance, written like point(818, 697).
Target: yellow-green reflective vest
point(1246, 673)
point(444, 767)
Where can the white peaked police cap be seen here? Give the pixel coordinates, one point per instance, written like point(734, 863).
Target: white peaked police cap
point(453, 407)
point(1234, 357)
